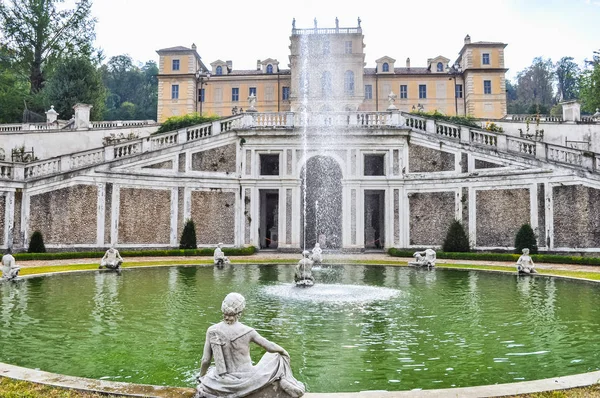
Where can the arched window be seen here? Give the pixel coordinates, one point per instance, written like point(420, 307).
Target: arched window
point(385, 67)
point(349, 82)
point(219, 70)
point(326, 84)
point(440, 67)
point(269, 69)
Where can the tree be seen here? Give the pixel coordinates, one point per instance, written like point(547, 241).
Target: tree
point(456, 239)
point(36, 243)
point(534, 85)
point(525, 239)
point(75, 80)
point(188, 236)
point(567, 76)
point(14, 90)
point(39, 33)
point(589, 83)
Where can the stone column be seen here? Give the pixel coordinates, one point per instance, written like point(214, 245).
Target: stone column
point(25, 219)
point(100, 214)
point(533, 207)
point(9, 218)
point(174, 216)
point(116, 203)
point(548, 192)
point(472, 217)
point(360, 217)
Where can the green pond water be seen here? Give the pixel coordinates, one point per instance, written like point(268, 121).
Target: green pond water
point(359, 328)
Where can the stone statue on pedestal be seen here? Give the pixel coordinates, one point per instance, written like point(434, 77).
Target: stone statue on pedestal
point(112, 259)
point(219, 256)
point(425, 258)
point(525, 263)
point(317, 254)
point(303, 276)
point(252, 103)
point(391, 100)
point(10, 270)
point(233, 375)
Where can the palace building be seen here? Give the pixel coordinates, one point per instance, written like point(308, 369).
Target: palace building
point(336, 79)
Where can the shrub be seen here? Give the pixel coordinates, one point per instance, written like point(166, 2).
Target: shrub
point(36, 243)
point(188, 236)
point(456, 239)
point(179, 122)
point(526, 239)
point(437, 115)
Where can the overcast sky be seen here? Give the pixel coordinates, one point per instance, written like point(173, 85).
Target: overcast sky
point(244, 31)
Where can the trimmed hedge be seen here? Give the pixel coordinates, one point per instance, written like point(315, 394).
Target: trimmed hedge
point(537, 258)
point(206, 251)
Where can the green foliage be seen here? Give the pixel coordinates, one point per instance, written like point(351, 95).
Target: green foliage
point(133, 91)
point(206, 251)
point(39, 32)
point(534, 85)
point(456, 239)
point(36, 243)
point(437, 115)
point(188, 236)
point(526, 239)
point(491, 126)
point(75, 80)
point(179, 122)
point(589, 83)
point(14, 89)
point(567, 76)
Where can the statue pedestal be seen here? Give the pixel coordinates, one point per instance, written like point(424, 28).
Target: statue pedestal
point(271, 391)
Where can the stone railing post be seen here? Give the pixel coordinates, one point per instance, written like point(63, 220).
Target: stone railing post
point(465, 135)
point(431, 126)
point(146, 144)
point(18, 171)
point(396, 118)
point(289, 119)
point(216, 127)
point(541, 150)
point(182, 136)
point(109, 153)
point(502, 144)
point(65, 163)
point(588, 160)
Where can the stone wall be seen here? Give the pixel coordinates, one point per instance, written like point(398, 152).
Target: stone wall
point(144, 216)
point(213, 213)
point(500, 214)
point(576, 216)
point(2, 218)
point(427, 160)
point(65, 216)
point(162, 165)
point(220, 159)
point(482, 164)
point(430, 216)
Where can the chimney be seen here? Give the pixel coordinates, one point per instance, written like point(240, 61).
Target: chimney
point(408, 63)
point(258, 64)
point(467, 39)
point(82, 116)
point(51, 115)
point(229, 66)
point(571, 111)
point(194, 46)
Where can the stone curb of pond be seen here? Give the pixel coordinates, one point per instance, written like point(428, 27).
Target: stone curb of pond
point(146, 390)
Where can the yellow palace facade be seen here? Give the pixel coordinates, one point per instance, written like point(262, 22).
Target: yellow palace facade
point(327, 67)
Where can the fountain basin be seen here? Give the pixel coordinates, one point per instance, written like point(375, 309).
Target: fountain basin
point(147, 326)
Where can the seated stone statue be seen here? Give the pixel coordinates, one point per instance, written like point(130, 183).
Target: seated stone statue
point(10, 270)
point(425, 258)
point(525, 263)
point(112, 259)
point(303, 276)
point(317, 254)
point(219, 256)
point(233, 375)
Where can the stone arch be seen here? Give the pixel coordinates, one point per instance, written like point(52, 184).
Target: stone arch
point(323, 176)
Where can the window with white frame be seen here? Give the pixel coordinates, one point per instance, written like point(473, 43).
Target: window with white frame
point(252, 91)
point(385, 67)
point(440, 67)
point(269, 69)
point(219, 70)
point(374, 165)
point(487, 86)
point(285, 93)
point(349, 81)
point(459, 91)
point(403, 91)
point(326, 84)
point(235, 94)
point(175, 64)
point(348, 47)
point(175, 91)
point(368, 91)
point(269, 164)
point(485, 59)
point(422, 91)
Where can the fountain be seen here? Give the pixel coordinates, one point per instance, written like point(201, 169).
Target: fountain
point(10, 270)
point(303, 276)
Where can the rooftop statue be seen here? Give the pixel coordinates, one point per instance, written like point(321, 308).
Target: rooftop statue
point(233, 374)
point(425, 258)
point(317, 254)
point(10, 270)
point(525, 263)
point(219, 256)
point(112, 259)
point(303, 276)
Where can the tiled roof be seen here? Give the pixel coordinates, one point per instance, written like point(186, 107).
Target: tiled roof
point(488, 42)
point(177, 48)
point(253, 72)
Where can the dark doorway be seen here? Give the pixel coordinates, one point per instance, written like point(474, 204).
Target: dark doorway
point(323, 178)
point(374, 219)
point(269, 219)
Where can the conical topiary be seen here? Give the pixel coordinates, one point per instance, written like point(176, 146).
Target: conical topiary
point(188, 236)
point(36, 243)
point(456, 239)
point(525, 239)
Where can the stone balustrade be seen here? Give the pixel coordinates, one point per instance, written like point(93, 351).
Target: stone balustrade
point(485, 138)
point(197, 132)
point(42, 168)
point(10, 127)
point(270, 119)
point(163, 140)
point(521, 146)
point(127, 149)
point(565, 155)
point(87, 158)
point(447, 130)
point(6, 171)
point(416, 122)
point(533, 118)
